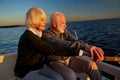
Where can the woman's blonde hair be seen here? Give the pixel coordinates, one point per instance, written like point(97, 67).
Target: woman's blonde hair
point(33, 17)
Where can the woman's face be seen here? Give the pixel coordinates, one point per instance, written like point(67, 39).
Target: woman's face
point(42, 24)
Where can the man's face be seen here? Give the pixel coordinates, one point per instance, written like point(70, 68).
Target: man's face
point(61, 25)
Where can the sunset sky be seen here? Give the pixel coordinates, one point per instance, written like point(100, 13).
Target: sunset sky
point(13, 11)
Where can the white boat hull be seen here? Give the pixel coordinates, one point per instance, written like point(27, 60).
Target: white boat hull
point(7, 63)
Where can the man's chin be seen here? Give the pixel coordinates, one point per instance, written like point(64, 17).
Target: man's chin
point(62, 31)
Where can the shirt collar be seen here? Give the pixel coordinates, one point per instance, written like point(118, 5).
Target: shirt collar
point(36, 32)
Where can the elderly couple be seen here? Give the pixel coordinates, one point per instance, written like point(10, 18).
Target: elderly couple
point(54, 53)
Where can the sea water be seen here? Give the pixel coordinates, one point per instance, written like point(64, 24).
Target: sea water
point(101, 33)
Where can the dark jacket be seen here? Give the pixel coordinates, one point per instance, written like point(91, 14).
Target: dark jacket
point(32, 51)
point(65, 39)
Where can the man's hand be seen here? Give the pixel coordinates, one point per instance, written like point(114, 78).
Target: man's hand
point(97, 54)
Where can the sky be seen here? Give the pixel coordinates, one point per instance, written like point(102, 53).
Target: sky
point(12, 12)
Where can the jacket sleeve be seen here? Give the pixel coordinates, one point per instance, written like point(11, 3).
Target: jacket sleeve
point(79, 44)
point(68, 41)
point(49, 49)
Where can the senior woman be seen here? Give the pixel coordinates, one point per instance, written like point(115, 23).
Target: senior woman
point(32, 50)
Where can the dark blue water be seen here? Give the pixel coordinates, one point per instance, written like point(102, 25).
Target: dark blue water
point(102, 33)
point(9, 39)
